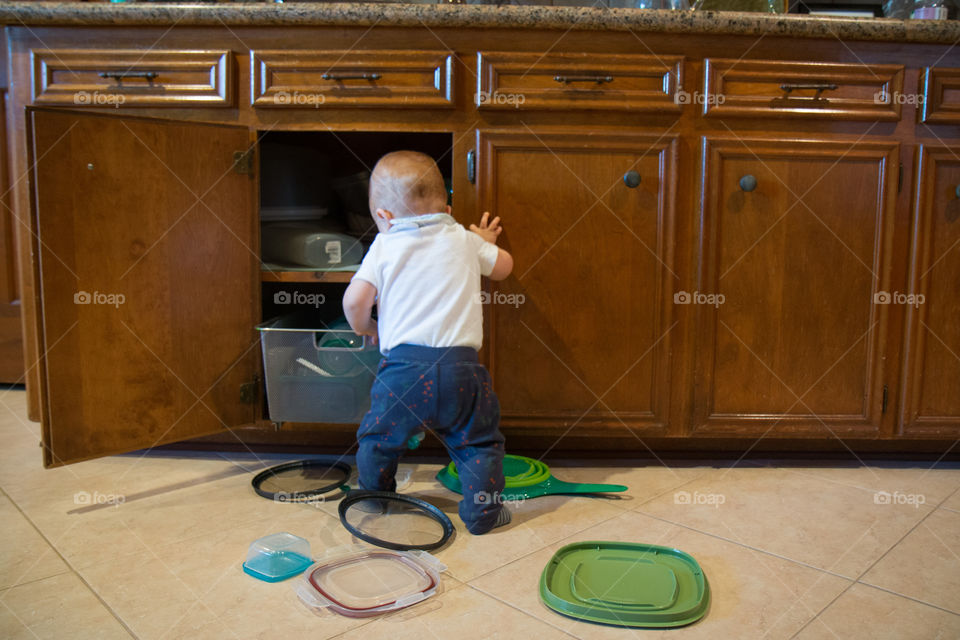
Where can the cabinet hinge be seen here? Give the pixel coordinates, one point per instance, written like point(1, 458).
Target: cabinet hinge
point(900, 178)
point(243, 162)
point(886, 399)
point(249, 391)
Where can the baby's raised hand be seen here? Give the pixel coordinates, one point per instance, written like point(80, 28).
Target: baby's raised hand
point(488, 229)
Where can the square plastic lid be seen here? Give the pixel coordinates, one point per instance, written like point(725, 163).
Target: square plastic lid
point(371, 580)
point(626, 584)
point(277, 557)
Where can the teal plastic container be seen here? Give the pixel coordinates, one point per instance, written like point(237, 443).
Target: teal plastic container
point(277, 557)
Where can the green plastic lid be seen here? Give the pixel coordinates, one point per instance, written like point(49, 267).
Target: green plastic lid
point(625, 584)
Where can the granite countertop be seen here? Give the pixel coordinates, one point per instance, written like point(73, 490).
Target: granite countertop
point(516, 17)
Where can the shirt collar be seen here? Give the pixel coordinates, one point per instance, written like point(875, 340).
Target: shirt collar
point(424, 220)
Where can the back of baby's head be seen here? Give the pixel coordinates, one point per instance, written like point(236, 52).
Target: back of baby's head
point(407, 183)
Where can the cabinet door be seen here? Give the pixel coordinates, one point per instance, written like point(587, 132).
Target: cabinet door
point(11, 331)
point(580, 334)
point(795, 237)
point(147, 271)
point(931, 384)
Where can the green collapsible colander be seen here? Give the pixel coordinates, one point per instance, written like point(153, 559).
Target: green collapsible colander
point(527, 478)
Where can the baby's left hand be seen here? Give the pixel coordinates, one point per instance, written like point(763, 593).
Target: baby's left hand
point(489, 230)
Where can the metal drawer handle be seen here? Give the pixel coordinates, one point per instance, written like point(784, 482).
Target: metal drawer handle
point(748, 183)
point(120, 76)
point(569, 79)
point(351, 76)
point(818, 87)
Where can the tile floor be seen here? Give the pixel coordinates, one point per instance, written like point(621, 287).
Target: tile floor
point(804, 550)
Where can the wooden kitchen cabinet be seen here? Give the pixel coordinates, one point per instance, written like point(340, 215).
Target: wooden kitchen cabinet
point(795, 244)
point(11, 331)
point(626, 204)
point(931, 369)
point(147, 263)
point(580, 335)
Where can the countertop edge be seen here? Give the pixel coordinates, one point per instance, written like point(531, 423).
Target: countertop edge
point(479, 16)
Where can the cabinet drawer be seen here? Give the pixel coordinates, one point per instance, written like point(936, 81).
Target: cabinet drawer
point(315, 79)
point(514, 80)
point(132, 77)
point(768, 88)
point(940, 89)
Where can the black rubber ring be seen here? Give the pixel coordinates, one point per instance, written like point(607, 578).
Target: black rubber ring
point(300, 496)
point(356, 495)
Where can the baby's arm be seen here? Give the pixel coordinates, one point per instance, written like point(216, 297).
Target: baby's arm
point(358, 301)
point(490, 231)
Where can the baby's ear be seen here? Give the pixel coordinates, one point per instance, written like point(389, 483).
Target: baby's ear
point(449, 209)
point(385, 214)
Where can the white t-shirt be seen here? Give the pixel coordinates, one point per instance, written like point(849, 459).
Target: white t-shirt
point(427, 270)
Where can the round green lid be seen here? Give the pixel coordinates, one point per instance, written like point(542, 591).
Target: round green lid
point(625, 584)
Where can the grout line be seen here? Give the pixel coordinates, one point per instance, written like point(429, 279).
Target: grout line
point(33, 580)
point(873, 564)
point(908, 597)
point(747, 546)
point(71, 567)
point(845, 484)
point(538, 549)
point(523, 611)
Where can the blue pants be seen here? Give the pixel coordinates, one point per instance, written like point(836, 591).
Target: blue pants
point(447, 391)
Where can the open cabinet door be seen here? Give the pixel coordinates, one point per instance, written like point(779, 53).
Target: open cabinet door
point(148, 289)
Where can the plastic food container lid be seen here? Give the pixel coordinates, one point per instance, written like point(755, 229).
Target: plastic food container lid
point(277, 557)
point(359, 582)
point(625, 584)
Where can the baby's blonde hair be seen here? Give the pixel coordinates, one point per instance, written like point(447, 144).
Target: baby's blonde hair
point(407, 183)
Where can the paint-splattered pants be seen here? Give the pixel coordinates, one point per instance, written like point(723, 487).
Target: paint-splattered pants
point(447, 391)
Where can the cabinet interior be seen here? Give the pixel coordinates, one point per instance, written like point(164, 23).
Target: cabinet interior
point(303, 173)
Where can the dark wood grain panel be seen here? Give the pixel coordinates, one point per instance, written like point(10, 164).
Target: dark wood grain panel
point(138, 78)
point(794, 341)
point(931, 370)
point(149, 281)
point(358, 78)
point(581, 332)
point(12, 365)
point(514, 80)
point(940, 88)
point(754, 88)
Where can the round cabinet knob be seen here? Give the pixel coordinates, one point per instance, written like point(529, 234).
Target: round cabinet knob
point(748, 183)
point(631, 179)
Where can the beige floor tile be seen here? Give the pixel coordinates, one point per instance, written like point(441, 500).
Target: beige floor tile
point(645, 481)
point(204, 592)
point(29, 557)
point(828, 525)
point(460, 613)
point(753, 594)
point(85, 538)
point(865, 612)
point(932, 481)
point(953, 502)
point(925, 565)
point(57, 607)
point(535, 524)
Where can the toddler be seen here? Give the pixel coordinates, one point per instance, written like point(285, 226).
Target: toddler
point(423, 272)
